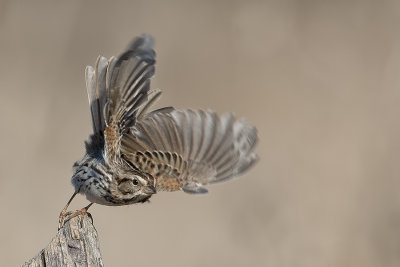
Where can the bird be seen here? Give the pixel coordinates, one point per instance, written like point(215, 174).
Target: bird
point(134, 153)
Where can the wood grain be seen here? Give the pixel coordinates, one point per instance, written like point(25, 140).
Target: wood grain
point(76, 244)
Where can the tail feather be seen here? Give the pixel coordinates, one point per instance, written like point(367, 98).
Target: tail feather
point(97, 92)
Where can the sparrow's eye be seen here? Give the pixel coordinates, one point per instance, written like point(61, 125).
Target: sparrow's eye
point(127, 186)
point(135, 181)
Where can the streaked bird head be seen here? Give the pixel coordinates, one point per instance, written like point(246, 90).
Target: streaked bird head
point(128, 189)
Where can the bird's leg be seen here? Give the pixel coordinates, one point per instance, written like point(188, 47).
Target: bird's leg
point(63, 213)
point(79, 212)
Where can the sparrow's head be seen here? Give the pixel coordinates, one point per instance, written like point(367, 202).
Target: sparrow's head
point(131, 188)
point(111, 187)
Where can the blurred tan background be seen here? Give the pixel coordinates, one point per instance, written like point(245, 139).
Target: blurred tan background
point(320, 80)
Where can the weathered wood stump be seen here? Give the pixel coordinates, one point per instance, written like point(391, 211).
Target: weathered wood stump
point(76, 244)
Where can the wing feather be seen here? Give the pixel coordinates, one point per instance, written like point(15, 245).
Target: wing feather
point(180, 149)
point(206, 148)
point(119, 90)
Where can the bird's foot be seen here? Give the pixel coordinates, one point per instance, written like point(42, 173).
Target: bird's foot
point(66, 216)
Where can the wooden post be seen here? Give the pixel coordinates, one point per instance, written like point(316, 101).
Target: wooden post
point(76, 244)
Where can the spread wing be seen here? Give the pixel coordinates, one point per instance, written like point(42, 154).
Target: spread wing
point(119, 91)
point(187, 149)
point(181, 149)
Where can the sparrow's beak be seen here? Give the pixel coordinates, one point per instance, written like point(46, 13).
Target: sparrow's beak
point(150, 189)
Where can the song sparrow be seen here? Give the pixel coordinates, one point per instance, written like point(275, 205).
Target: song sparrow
point(133, 153)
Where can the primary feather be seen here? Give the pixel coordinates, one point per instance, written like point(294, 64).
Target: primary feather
point(178, 149)
point(208, 148)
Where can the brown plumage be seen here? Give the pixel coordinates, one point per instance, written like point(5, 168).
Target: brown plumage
point(133, 153)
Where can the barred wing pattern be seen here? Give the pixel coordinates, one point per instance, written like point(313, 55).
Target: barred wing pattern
point(180, 149)
point(186, 149)
point(119, 91)
point(119, 88)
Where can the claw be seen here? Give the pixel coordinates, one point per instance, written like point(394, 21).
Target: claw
point(61, 218)
point(82, 212)
point(70, 215)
